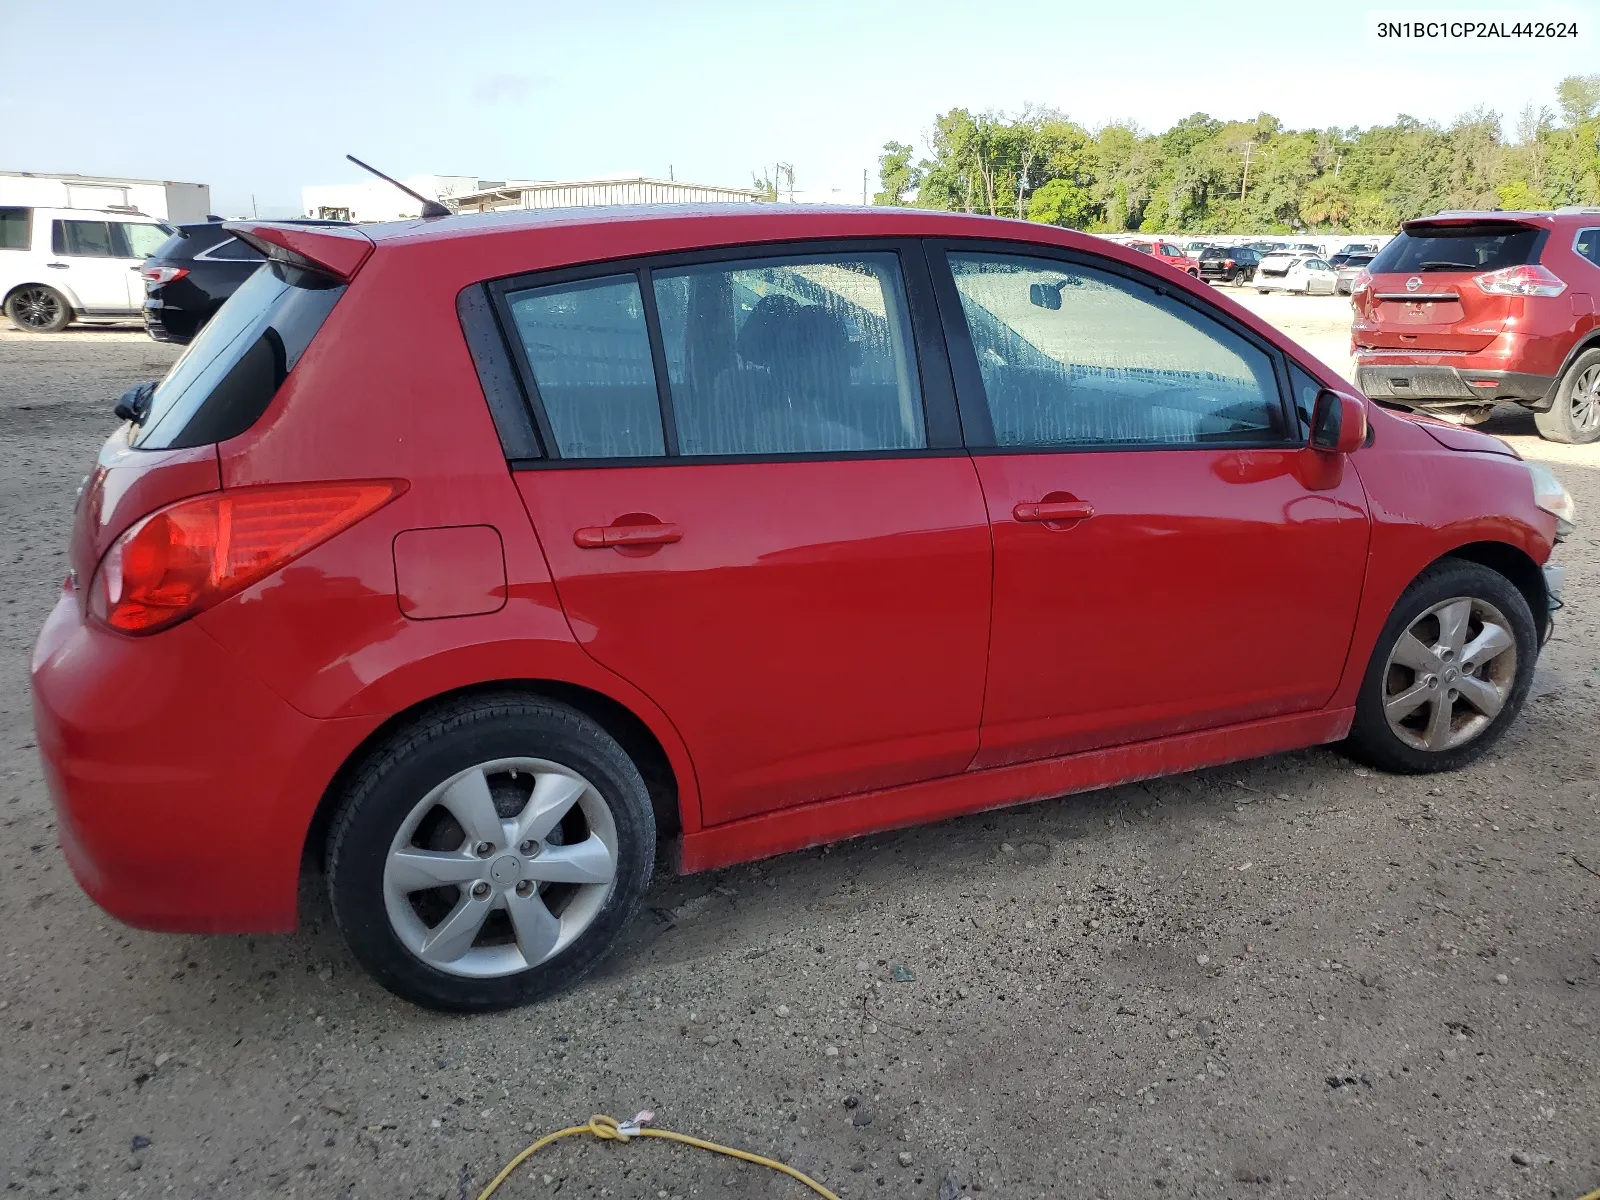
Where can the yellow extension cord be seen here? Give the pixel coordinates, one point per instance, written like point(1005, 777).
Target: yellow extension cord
point(607, 1129)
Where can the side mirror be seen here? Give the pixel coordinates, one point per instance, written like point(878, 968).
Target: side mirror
point(1338, 423)
point(1044, 295)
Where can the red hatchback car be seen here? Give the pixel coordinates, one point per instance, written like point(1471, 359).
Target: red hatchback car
point(1465, 310)
point(473, 556)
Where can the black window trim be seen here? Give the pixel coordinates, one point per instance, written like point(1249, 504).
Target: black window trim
point(942, 426)
point(972, 401)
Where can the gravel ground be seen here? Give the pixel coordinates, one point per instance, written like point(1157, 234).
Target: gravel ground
point(1286, 978)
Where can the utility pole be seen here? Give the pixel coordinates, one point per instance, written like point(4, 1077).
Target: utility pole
point(253, 212)
point(1249, 153)
point(670, 176)
point(863, 187)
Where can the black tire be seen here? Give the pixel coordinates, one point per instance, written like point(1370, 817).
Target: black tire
point(416, 759)
point(1371, 739)
point(1574, 418)
point(37, 308)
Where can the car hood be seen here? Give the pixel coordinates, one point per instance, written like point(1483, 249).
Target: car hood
point(1455, 437)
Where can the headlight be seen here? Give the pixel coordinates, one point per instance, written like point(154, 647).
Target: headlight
point(1550, 495)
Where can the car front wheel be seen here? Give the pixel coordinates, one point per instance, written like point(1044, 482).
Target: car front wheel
point(1575, 416)
point(1450, 671)
point(490, 854)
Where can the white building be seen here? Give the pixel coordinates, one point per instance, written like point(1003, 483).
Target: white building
point(179, 203)
point(584, 193)
point(378, 200)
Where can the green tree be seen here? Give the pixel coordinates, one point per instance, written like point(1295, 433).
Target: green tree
point(1062, 202)
point(896, 175)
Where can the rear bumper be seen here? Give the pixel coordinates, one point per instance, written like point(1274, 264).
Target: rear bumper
point(166, 324)
point(1422, 383)
point(183, 787)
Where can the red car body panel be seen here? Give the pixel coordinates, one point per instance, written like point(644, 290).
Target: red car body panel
point(263, 697)
point(1143, 572)
point(883, 576)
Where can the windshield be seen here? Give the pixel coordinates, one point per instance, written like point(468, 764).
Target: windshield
point(1487, 247)
point(229, 374)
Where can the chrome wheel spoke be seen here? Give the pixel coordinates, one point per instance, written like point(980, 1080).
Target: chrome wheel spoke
point(1481, 694)
point(552, 799)
point(536, 927)
point(1438, 735)
point(589, 861)
point(1403, 704)
point(453, 936)
point(413, 870)
point(1409, 651)
point(470, 803)
point(1493, 641)
point(1453, 619)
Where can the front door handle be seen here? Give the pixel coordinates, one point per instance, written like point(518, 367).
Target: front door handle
point(599, 537)
point(58, 266)
point(1053, 510)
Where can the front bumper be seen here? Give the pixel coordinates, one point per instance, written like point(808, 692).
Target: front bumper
point(183, 786)
point(1435, 384)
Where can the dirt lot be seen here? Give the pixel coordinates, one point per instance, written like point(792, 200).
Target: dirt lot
point(1286, 978)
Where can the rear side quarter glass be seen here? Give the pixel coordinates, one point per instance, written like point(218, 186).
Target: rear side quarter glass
point(14, 228)
point(588, 347)
point(1587, 245)
point(230, 373)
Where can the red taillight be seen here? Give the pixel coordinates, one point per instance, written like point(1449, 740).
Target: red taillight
point(1530, 279)
point(1361, 282)
point(163, 274)
point(1227, 262)
point(184, 558)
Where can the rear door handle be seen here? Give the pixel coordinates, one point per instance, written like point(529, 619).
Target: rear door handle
point(598, 537)
point(1053, 510)
point(58, 266)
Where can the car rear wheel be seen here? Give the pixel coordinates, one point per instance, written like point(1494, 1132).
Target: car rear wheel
point(36, 308)
point(1450, 671)
point(1575, 416)
point(490, 854)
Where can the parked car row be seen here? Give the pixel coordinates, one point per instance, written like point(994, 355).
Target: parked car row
point(103, 266)
point(396, 541)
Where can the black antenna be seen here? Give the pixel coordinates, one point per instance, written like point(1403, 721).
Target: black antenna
point(430, 208)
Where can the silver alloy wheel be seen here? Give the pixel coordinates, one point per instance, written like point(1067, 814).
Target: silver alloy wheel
point(1585, 400)
point(36, 308)
point(500, 867)
point(1449, 674)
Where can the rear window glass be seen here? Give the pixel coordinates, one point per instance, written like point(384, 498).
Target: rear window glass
point(229, 374)
point(1458, 248)
point(13, 229)
point(139, 240)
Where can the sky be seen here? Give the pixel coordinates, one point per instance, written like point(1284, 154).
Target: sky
point(259, 99)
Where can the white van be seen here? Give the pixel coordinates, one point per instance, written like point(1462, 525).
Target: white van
point(59, 265)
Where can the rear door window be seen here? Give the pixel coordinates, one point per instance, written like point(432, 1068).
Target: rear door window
point(230, 373)
point(1477, 248)
point(14, 228)
point(790, 356)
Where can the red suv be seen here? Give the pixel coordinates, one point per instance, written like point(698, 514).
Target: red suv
point(472, 557)
point(1467, 309)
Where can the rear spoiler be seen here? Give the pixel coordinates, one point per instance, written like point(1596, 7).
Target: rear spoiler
point(336, 250)
point(1486, 220)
